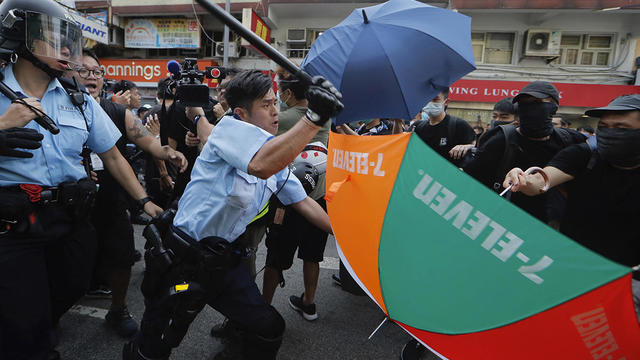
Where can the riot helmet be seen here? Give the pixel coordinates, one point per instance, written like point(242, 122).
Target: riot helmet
point(40, 28)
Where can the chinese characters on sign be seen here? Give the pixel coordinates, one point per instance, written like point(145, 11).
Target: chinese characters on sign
point(252, 21)
point(162, 33)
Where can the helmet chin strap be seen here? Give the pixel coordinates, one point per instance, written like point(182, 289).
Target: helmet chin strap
point(27, 55)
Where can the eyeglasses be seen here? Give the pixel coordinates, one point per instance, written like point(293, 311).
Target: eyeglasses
point(84, 73)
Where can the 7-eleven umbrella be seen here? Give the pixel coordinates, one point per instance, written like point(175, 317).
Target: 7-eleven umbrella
point(464, 271)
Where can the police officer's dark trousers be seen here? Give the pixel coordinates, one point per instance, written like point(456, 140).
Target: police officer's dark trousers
point(44, 269)
point(232, 292)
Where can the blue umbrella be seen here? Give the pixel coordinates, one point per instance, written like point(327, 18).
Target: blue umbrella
point(390, 59)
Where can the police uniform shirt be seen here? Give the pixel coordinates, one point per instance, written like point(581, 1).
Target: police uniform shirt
point(59, 158)
point(222, 197)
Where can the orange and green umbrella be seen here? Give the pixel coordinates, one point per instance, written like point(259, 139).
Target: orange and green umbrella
point(464, 271)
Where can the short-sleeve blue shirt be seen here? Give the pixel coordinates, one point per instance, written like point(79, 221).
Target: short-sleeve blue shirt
point(59, 158)
point(222, 197)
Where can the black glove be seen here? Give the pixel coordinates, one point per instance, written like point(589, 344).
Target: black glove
point(324, 101)
point(19, 138)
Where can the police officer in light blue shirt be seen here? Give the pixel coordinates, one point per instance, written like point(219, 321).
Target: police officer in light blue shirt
point(46, 243)
point(241, 166)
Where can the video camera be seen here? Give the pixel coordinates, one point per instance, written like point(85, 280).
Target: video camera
point(188, 79)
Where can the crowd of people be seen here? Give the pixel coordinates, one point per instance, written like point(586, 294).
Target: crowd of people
point(220, 178)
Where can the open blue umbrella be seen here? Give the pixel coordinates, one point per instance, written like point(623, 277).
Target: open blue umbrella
point(390, 59)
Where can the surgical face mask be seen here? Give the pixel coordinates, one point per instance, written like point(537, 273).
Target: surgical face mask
point(535, 118)
point(620, 147)
point(424, 115)
point(283, 103)
point(433, 109)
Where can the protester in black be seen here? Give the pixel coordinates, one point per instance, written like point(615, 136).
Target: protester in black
point(441, 131)
point(605, 221)
point(532, 143)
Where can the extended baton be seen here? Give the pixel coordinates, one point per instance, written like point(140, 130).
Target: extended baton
point(43, 120)
point(254, 40)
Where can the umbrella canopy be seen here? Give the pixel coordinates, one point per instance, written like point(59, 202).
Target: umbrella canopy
point(390, 59)
point(465, 271)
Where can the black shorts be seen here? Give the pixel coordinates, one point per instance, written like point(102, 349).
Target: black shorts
point(116, 247)
point(295, 233)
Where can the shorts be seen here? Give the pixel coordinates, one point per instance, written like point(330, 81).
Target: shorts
point(295, 233)
point(116, 247)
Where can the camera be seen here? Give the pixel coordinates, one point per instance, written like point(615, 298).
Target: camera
point(188, 79)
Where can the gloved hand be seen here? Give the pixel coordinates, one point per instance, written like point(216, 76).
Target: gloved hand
point(17, 137)
point(324, 101)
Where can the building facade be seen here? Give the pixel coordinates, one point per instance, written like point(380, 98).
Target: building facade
point(593, 43)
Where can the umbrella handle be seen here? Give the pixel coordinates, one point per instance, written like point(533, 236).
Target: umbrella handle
point(261, 45)
point(534, 170)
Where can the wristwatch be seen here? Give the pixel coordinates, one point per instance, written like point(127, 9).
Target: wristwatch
point(313, 117)
point(142, 202)
point(196, 119)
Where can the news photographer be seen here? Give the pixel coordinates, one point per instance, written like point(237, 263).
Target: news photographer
point(202, 233)
point(186, 88)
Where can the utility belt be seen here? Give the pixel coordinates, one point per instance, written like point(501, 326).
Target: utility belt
point(168, 246)
point(18, 203)
point(65, 194)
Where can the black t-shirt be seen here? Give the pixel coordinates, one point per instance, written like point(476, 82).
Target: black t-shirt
point(438, 136)
point(487, 163)
point(110, 192)
point(603, 205)
point(177, 129)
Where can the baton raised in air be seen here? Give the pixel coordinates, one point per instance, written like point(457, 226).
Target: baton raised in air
point(254, 40)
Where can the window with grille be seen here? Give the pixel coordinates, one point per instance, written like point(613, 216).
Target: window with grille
point(585, 50)
point(492, 47)
point(299, 41)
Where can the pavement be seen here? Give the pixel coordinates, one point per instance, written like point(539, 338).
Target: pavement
point(345, 322)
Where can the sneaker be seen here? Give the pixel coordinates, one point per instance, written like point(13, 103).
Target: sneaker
point(232, 350)
point(99, 292)
point(225, 329)
point(412, 350)
point(307, 311)
point(336, 280)
point(137, 255)
point(53, 355)
point(122, 322)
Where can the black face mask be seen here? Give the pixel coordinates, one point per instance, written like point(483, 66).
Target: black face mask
point(620, 147)
point(535, 118)
point(496, 123)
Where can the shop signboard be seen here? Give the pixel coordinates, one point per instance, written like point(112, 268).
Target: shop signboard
point(145, 73)
point(254, 22)
point(162, 33)
point(571, 94)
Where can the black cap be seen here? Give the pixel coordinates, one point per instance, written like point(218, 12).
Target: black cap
point(621, 103)
point(540, 90)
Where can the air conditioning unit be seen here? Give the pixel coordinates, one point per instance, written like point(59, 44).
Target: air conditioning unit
point(297, 35)
point(542, 42)
point(233, 49)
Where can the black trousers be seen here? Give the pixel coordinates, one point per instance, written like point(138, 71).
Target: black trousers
point(232, 292)
point(43, 272)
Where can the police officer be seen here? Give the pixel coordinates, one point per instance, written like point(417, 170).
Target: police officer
point(240, 167)
point(46, 243)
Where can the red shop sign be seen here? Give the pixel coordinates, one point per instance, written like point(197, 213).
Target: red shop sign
point(582, 95)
